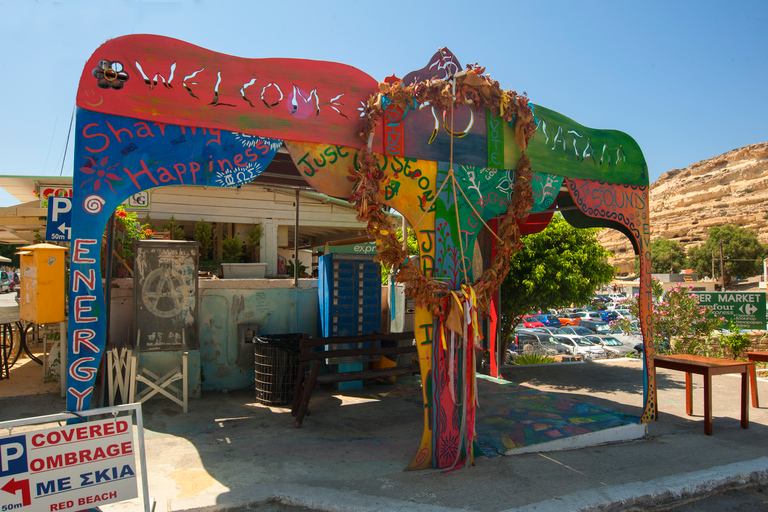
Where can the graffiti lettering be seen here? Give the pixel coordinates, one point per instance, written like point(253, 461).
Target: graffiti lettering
point(80, 396)
point(94, 135)
point(79, 370)
point(415, 173)
point(165, 176)
point(142, 130)
point(495, 142)
point(427, 328)
point(390, 190)
point(81, 309)
point(428, 233)
point(79, 251)
point(84, 337)
point(230, 90)
point(394, 141)
point(612, 197)
point(393, 132)
point(79, 277)
point(427, 265)
point(332, 152)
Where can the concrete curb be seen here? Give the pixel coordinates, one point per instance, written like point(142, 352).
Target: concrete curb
point(672, 490)
point(659, 492)
point(611, 435)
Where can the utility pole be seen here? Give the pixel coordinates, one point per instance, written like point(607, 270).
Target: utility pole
point(722, 268)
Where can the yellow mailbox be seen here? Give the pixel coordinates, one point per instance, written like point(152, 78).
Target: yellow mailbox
point(41, 299)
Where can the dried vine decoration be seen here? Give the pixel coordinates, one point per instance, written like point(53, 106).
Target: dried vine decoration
point(478, 92)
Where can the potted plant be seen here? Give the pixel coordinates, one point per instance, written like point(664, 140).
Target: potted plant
point(127, 229)
point(289, 269)
point(204, 235)
point(234, 261)
point(255, 232)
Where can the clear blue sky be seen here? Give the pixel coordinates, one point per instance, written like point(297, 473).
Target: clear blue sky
point(687, 79)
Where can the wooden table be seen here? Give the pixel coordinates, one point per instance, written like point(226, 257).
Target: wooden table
point(707, 367)
point(755, 356)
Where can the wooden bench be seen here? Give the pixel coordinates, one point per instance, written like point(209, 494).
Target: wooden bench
point(363, 348)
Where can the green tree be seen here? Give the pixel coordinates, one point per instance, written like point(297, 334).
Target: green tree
point(680, 324)
point(556, 267)
point(204, 235)
point(742, 253)
point(667, 257)
point(178, 231)
point(252, 241)
point(232, 249)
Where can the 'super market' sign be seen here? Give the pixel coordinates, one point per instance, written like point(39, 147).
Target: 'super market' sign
point(68, 468)
point(746, 309)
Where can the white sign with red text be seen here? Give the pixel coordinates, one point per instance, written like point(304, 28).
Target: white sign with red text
point(68, 468)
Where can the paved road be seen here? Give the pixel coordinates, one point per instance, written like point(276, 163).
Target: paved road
point(7, 299)
point(754, 499)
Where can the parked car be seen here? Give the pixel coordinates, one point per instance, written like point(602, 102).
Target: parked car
point(576, 330)
point(532, 321)
point(623, 313)
point(590, 315)
point(617, 297)
point(549, 320)
point(626, 338)
point(538, 342)
point(580, 346)
point(596, 327)
point(569, 319)
point(547, 330)
point(5, 282)
point(609, 316)
point(612, 346)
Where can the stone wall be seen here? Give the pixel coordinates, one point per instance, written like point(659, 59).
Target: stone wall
point(685, 203)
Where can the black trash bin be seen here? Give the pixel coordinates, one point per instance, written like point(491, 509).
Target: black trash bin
point(276, 358)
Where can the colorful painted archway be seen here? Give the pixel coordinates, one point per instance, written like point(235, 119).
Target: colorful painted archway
point(444, 146)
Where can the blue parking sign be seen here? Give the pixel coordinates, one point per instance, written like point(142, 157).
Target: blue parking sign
point(13, 455)
point(59, 221)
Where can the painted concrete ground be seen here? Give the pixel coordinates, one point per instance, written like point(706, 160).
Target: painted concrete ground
point(513, 416)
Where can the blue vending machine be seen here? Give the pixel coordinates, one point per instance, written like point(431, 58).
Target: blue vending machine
point(349, 288)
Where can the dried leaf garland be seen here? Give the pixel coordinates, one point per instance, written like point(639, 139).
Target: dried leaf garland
point(477, 91)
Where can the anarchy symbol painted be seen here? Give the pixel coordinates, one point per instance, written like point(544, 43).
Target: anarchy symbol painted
point(162, 292)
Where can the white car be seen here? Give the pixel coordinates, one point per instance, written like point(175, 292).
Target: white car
point(590, 315)
point(623, 314)
point(613, 347)
point(580, 346)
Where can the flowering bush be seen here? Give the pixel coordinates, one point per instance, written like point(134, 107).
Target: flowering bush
point(128, 229)
point(680, 324)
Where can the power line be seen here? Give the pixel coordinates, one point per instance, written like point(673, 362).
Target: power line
point(67, 143)
point(51, 143)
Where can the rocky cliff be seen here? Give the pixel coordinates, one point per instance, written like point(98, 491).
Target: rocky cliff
point(685, 203)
